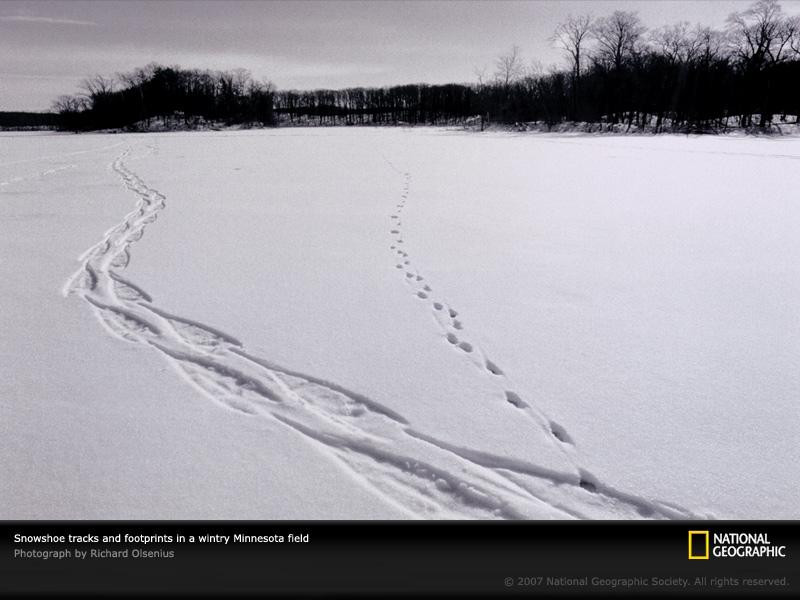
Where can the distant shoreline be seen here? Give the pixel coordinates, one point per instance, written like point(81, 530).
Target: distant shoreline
point(789, 126)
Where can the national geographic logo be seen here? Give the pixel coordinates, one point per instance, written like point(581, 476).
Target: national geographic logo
point(698, 545)
point(703, 545)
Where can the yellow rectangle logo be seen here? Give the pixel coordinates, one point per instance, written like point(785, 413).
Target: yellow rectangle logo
point(693, 543)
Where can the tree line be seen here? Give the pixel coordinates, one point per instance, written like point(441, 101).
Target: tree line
point(189, 96)
point(676, 77)
point(19, 120)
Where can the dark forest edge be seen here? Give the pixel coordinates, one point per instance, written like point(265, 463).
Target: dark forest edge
point(620, 76)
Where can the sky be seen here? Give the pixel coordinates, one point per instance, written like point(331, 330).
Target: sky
point(48, 47)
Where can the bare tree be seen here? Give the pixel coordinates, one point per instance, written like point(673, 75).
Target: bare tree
point(571, 35)
point(761, 37)
point(138, 76)
point(480, 75)
point(135, 80)
point(535, 69)
point(709, 43)
point(792, 29)
point(68, 104)
point(69, 109)
point(677, 42)
point(761, 34)
point(508, 67)
point(531, 74)
point(618, 37)
point(234, 83)
point(94, 88)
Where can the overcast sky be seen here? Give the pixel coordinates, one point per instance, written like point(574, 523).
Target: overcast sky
point(47, 47)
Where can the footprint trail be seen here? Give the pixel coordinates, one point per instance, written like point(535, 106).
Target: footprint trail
point(455, 335)
point(421, 475)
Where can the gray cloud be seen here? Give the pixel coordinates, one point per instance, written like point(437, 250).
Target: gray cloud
point(51, 45)
point(46, 20)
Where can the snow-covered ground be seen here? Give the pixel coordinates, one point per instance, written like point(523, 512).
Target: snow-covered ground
point(398, 323)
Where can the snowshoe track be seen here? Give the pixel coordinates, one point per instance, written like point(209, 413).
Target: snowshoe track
point(423, 476)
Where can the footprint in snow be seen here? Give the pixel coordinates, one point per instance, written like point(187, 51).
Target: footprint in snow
point(514, 399)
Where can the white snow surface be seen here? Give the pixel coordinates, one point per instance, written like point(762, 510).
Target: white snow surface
point(398, 323)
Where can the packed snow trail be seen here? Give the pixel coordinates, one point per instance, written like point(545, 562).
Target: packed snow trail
point(425, 477)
